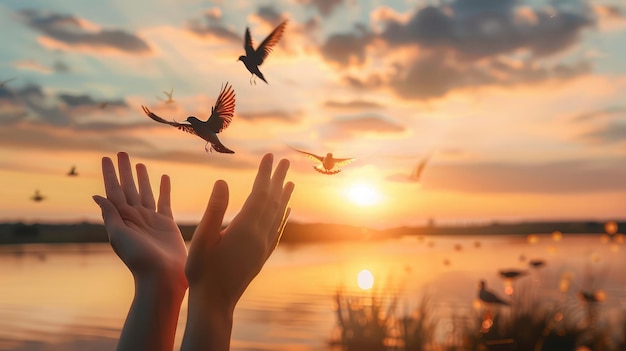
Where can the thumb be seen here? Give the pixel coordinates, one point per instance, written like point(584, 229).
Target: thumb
point(110, 215)
point(207, 233)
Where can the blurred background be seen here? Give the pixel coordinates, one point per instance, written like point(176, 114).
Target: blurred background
point(479, 128)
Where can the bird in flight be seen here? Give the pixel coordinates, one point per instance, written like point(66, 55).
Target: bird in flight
point(169, 96)
point(5, 82)
point(221, 116)
point(489, 297)
point(254, 58)
point(72, 172)
point(417, 172)
point(512, 274)
point(37, 197)
point(537, 263)
point(328, 164)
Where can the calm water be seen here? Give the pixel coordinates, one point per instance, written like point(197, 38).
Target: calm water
point(75, 297)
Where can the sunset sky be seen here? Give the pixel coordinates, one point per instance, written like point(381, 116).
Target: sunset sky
point(521, 105)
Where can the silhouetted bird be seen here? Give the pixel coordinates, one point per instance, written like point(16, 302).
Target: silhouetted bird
point(37, 197)
point(5, 82)
point(487, 296)
point(169, 97)
point(254, 58)
point(537, 263)
point(417, 172)
point(72, 172)
point(329, 164)
point(221, 116)
point(512, 274)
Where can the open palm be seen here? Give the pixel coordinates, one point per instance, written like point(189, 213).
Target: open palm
point(142, 233)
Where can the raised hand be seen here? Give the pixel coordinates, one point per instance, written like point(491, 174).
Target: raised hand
point(222, 262)
point(146, 238)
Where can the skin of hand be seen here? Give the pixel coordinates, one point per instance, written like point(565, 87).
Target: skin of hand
point(146, 238)
point(223, 262)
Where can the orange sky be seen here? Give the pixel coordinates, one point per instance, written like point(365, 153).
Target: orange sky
point(519, 105)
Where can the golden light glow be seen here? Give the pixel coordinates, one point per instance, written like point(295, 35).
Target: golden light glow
point(365, 279)
point(364, 194)
point(610, 227)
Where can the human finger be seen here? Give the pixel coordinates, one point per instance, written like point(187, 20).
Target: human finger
point(255, 202)
point(273, 202)
point(112, 187)
point(164, 206)
point(208, 232)
point(279, 233)
point(145, 190)
point(110, 215)
point(274, 231)
point(126, 179)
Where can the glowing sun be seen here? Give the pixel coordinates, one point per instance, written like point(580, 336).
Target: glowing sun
point(364, 195)
point(365, 279)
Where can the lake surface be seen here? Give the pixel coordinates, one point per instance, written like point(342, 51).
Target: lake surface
point(75, 297)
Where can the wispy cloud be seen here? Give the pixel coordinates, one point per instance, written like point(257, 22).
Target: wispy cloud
point(76, 32)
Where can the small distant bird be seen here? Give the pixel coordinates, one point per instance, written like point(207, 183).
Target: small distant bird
point(221, 116)
point(104, 105)
point(537, 263)
point(5, 82)
point(37, 197)
point(489, 297)
point(329, 164)
point(72, 172)
point(169, 97)
point(254, 58)
point(417, 172)
point(512, 274)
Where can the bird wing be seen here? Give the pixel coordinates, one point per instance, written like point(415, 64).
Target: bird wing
point(343, 161)
point(219, 147)
point(184, 127)
point(421, 165)
point(248, 44)
point(311, 156)
point(266, 46)
point(222, 112)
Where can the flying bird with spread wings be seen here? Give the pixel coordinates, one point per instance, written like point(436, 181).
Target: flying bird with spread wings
point(72, 172)
point(221, 116)
point(169, 97)
point(417, 171)
point(328, 164)
point(37, 197)
point(254, 58)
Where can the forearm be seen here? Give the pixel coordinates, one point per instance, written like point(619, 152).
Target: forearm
point(209, 324)
point(153, 316)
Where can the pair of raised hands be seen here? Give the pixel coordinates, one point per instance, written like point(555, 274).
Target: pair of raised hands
point(220, 263)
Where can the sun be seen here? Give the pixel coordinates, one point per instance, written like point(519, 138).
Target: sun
point(365, 279)
point(364, 194)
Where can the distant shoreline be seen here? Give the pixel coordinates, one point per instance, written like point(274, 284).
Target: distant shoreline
point(20, 233)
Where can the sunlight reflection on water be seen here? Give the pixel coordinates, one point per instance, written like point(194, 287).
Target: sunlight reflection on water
point(75, 297)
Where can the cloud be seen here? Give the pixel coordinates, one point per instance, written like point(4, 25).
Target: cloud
point(56, 67)
point(613, 132)
point(352, 104)
point(462, 44)
point(348, 127)
point(478, 28)
point(270, 15)
point(276, 115)
point(583, 176)
point(600, 114)
point(212, 26)
point(324, 7)
point(85, 100)
point(75, 32)
point(345, 49)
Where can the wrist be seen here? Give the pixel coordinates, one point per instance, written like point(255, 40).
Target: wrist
point(171, 285)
